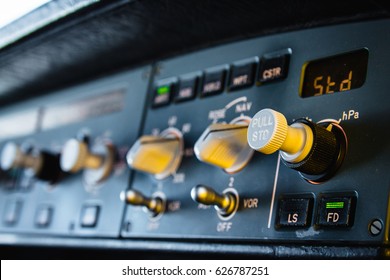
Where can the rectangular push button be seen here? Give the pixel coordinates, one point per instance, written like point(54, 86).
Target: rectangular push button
point(187, 89)
point(213, 82)
point(89, 216)
point(242, 75)
point(294, 212)
point(43, 216)
point(162, 95)
point(274, 67)
point(336, 211)
point(12, 212)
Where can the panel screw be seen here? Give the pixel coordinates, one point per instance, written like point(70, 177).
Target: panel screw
point(375, 227)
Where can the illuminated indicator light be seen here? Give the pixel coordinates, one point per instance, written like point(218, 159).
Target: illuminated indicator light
point(334, 205)
point(163, 90)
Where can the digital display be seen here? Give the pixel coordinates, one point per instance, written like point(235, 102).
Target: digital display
point(332, 74)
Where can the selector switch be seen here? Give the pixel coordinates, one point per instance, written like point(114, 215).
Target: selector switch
point(157, 155)
point(225, 146)
point(226, 203)
point(96, 162)
point(315, 150)
point(155, 204)
point(44, 165)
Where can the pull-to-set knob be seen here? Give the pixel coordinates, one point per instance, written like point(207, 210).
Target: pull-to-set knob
point(225, 203)
point(154, 205)
point(96, 162)
point(44, 165)
point(157, 155)
point(225, 146)
point(315, 150)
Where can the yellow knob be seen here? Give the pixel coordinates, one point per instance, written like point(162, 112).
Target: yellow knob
point(268, 132)
point(157, 155)
point(225, 146)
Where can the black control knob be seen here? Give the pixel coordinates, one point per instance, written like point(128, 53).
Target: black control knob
point(315, 150)
point(44, 165)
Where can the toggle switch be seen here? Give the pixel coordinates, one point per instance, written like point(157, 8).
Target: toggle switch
point(225, 204)
point(225, 146)
point(315, 150)
point(155, 204)
point(157, 155)
point(43, 164)
point(96, 162)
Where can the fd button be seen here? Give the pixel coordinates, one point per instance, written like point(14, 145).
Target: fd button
point(336, 211)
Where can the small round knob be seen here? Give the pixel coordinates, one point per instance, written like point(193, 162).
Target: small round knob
point(157, 155)
point(45, 165)
point(225, 203)
point(154, 205)
point(96, 162)
point(76, 156)
point(310, 148)
point(225, 146)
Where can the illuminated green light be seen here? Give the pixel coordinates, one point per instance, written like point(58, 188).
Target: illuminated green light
point(163, 90)
point(334, 205)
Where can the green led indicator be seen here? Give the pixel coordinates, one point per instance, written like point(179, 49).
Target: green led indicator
point(163, 90)
point(335, 205)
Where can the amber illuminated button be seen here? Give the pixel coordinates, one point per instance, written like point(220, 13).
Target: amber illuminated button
point(213, 82)
point(187, 89)
point(294, 212)
point(157, 155)
point(242, 75)
point(274, 67)
point(336, 210)
point(225, 146)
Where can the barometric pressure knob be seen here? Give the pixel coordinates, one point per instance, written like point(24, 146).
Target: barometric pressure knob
point(157, 155)
point(225, 203)
point(225, 146)
point(44, 165)
point(155, 204)
point(96, 162)
point(315, 150)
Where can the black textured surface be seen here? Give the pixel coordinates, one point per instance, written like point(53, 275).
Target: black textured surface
point(107, 38)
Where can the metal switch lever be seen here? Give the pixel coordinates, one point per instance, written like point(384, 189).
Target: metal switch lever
point(154, 204)
point(224, 203)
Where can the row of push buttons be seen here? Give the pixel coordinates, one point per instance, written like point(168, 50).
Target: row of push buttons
point(44, 214)
point(334, 210)
point(273, 67)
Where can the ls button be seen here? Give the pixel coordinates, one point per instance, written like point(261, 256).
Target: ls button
point(336, 211)
point(294, 212)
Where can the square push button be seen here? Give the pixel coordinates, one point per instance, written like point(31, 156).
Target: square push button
point(336, 211)
point(294, 212)
point(43, 216)
point(274, 67)
point(213, 82)
point(242, 75)
point(162, 95)
point(12, 212)
point(187, 89)
point(89, 216)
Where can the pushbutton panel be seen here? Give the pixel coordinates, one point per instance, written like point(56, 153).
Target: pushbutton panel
point(220, 189)
point(278, 199)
